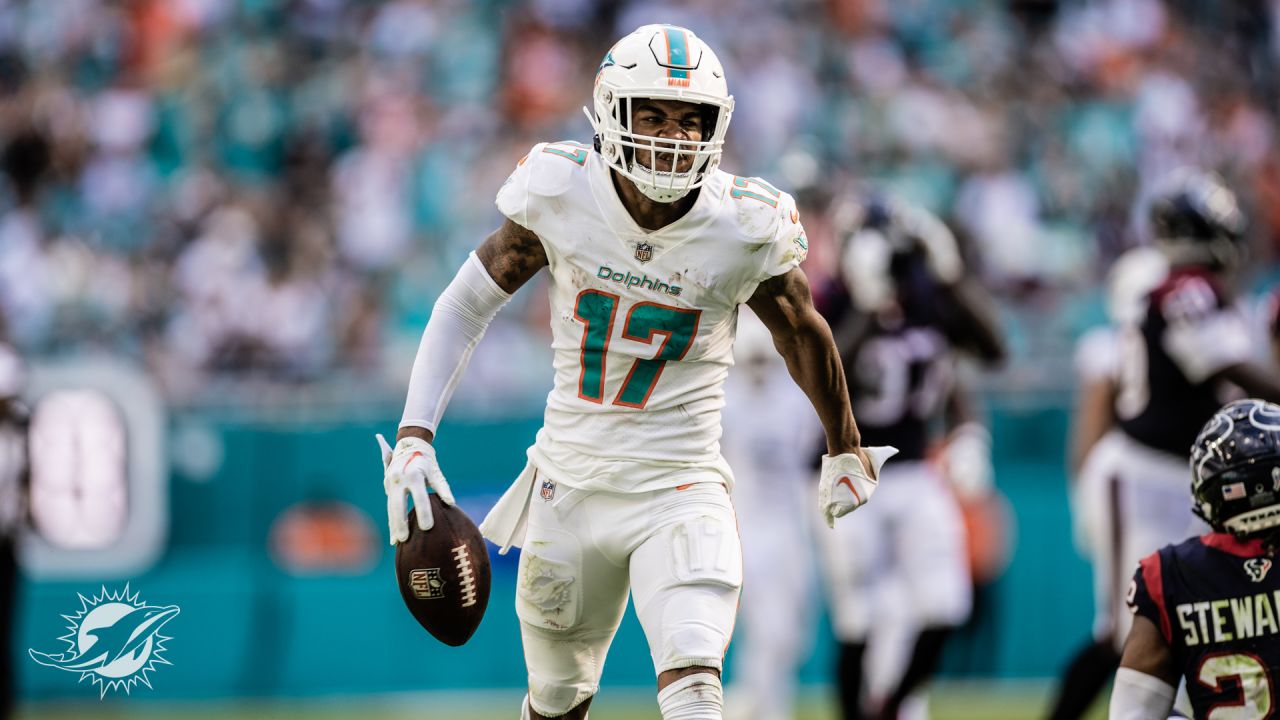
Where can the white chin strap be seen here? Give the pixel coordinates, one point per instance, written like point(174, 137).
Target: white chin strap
point(661, 186)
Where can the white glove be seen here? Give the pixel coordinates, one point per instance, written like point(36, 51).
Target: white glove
point(410, 468)
point(845, 485)
point(966, 461)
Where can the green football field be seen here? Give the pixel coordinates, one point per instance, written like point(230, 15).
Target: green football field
point(968, 701)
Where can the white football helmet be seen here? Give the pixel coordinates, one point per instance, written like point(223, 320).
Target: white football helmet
point(671, 63)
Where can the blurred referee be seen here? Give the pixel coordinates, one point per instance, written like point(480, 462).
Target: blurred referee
point(13, 475)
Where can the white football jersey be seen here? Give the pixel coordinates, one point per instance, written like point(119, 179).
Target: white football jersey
point(643, 322)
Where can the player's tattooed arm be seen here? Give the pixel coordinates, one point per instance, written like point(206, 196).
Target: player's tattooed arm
point(785, 305)
point(512, 254)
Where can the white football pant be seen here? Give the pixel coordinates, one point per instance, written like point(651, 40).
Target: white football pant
point(676, 551)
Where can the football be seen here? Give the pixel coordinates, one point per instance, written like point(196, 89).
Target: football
point(443, 574)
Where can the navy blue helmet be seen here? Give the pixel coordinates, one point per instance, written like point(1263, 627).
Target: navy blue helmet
point(1195, 219)
point(1235, 469)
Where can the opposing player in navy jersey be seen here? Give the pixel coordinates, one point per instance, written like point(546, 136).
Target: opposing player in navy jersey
point(1191, 351)
point(910, 310)
point(1193, 340)
point(1098, 452)
point(1208, 610)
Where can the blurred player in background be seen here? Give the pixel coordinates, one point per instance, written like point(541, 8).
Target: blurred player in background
point(1097, 446)
point(769, 426)
point(1189, 352)
point(1275, 326)
point(13, 472)
point(1208, 609)
point(911, 312)
point(651, 249)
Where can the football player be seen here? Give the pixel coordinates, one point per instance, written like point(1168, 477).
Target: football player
point(1207, 610)
point(769, 426)
point(912, 311)
point(1189, 352)
point(13, 471)
point(1097, 446)
point(651, 248)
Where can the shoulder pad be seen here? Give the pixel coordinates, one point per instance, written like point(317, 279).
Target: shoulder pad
point(546, 171)
point(761, 210)
point(551, 166)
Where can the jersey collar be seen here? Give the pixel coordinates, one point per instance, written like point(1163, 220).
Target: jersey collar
point(606, 197)
point(1228, 543)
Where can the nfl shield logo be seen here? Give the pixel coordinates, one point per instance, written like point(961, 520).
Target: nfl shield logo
point(426, 584)
point(548, 489)
point(644, 252)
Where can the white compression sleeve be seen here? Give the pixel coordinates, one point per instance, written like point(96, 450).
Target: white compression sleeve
point(1139, 696)
point(458, 321)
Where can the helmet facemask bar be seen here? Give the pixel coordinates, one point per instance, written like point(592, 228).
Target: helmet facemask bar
point(1254, 522)
point(622, 147)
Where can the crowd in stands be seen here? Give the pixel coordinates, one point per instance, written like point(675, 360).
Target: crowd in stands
point(276, 190)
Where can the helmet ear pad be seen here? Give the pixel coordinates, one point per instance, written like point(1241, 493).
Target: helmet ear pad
point(709, 117)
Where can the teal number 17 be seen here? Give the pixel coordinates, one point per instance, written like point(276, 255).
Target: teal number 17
point(597, 311)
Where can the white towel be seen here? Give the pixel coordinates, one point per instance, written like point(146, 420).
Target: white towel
point(508, 521)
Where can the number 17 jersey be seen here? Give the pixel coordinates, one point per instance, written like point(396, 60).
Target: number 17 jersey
point(642, 323)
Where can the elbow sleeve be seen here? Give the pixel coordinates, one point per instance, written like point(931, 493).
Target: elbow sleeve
point(461, 315)
point(1139, 696)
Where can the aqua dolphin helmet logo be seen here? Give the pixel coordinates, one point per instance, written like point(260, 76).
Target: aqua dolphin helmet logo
point(114, 641)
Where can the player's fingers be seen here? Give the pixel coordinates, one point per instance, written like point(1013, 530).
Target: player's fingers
point(422, 506)
point(441, 487)
point(385, 449)
point(396, 516)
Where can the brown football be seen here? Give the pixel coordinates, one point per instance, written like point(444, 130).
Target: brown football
point(443, 574)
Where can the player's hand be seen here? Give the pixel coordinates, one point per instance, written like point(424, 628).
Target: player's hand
point(410, 468)
point(846, 483)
